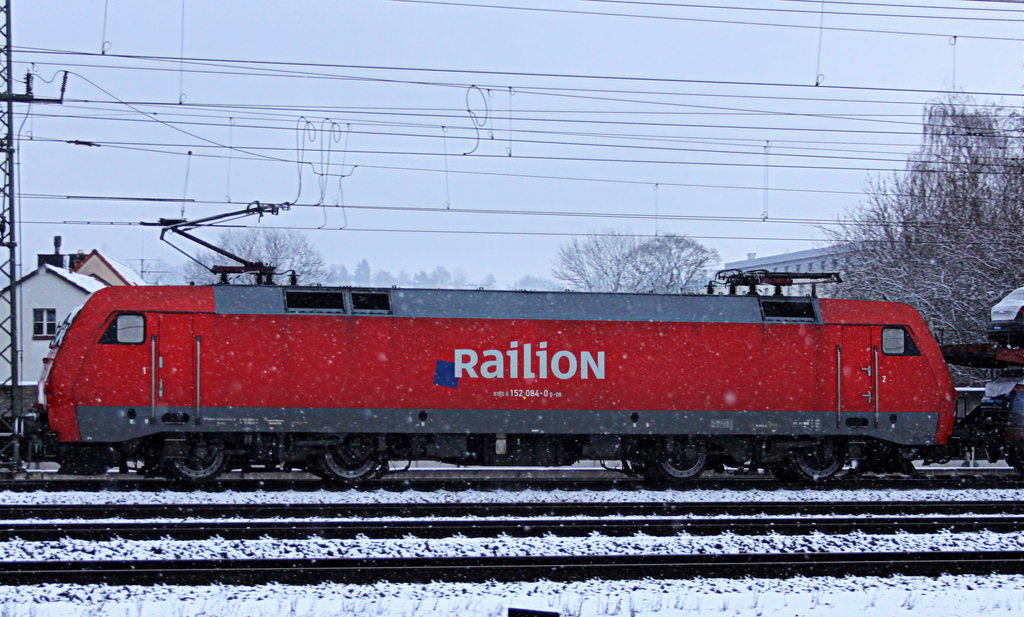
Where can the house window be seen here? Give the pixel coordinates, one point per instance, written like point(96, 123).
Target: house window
point(44, 323)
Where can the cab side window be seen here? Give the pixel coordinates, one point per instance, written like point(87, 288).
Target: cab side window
point(898, 342)
point(125, 329)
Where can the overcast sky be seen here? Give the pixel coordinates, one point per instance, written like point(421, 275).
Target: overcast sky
point(418, 120)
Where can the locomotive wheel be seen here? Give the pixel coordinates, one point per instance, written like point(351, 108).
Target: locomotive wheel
point(820, 463)
point(205, 461)
point(354, 460)
point(681, 459)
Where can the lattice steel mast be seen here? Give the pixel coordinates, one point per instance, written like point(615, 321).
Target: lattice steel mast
point(10, 418)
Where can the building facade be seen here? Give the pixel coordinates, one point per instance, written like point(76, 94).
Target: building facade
point(826, 259)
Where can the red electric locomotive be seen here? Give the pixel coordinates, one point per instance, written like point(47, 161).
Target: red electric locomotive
point(195, 380)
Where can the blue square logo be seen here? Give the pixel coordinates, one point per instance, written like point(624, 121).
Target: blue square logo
point(444, 375)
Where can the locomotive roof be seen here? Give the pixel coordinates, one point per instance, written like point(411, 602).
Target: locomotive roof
point(489, 304)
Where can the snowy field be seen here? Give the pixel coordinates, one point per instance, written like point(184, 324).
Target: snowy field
point(947, 596)
point(526, 496)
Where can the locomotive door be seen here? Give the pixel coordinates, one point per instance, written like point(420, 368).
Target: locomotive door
point(172, 358)
point(857, 373)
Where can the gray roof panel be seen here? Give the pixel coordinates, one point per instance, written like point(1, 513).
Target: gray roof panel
point(574, 306)
point(484, 304)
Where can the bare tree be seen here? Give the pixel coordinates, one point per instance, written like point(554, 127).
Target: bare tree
point(947, 234)
point(625, 263)
point(285, 249)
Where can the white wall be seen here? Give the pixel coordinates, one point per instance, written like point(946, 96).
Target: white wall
point(43, 290)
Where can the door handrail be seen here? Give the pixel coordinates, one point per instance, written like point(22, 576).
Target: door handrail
point(874, 349)
point(152, 379)
point(839, 385)
point(199, 409)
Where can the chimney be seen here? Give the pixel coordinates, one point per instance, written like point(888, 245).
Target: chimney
point(74, 261)
point(56, 260)
point(751, 256)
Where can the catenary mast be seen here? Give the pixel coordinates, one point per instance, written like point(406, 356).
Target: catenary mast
point(11, 416)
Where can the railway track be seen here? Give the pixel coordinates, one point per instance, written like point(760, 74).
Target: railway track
point(519, 510)
point(533, 527)
point(389, 521)
point(932, 479)
point(507, 569)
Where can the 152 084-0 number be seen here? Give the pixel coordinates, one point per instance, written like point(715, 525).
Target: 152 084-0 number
point(515, 393)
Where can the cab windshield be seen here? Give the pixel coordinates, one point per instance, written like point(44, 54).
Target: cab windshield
point(64, 325)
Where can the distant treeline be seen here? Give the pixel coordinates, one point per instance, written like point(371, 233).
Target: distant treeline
point(439, 277)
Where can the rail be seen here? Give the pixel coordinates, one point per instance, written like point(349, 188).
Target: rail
point(507, 569)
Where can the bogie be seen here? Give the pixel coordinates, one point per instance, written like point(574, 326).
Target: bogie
point(819, 463)
point(678, 459)
point(203, 460)
point(355, 459)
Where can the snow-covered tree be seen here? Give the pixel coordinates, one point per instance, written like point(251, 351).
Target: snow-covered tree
point(946, 235)
point(362, 274)
point(339, 275)
point(616, 262)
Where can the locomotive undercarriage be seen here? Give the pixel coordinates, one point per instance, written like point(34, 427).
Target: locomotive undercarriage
point(356, 457)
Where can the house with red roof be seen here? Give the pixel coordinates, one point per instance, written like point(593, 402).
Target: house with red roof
point(49, 294)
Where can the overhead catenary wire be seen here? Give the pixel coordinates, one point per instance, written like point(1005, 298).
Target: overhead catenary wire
point(578, 159)
point(606, 135)
point(676, 18)
point(602, 95)
point(570, 121)
point(514, 174)
point(887, 5)
point(497, 233)
point(767, 9)
point(444, 115)
point(296, 74)
point(961, 7)
point(824, 116)
point(274, 64)
point(900, 150)
point(646, 147)
point(658, 215)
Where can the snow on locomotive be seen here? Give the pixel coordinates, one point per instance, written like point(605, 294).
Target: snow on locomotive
point(196, 380)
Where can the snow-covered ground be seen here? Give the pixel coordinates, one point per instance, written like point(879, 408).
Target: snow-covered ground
point(851, 596)
point(503, 546)
point(497, 497)
point(947, 596)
